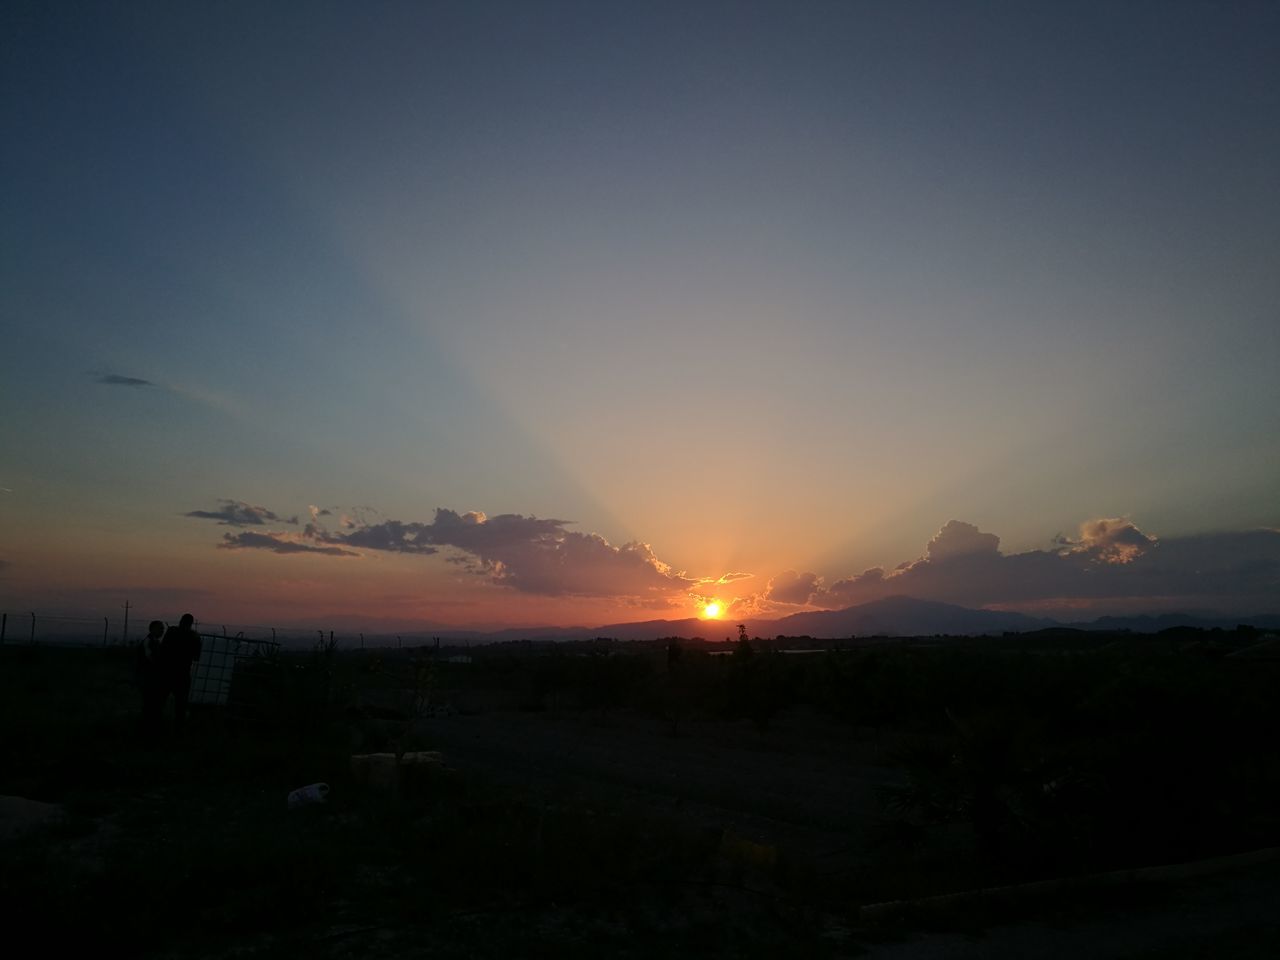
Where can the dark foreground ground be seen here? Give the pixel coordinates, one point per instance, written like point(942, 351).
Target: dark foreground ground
point(605, 806)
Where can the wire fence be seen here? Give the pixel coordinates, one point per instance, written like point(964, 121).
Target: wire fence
point(212, 675)
point(32, 628)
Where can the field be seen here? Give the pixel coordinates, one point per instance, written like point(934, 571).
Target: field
point(607, 799)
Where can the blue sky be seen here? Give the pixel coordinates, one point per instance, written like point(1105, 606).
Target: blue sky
point(767, 287)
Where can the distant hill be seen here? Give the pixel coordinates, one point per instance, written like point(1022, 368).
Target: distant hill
point(900, 617)
point(891, 617)
point(1154, 623)
point(641, 630)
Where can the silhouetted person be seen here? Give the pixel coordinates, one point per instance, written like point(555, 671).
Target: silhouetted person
point(149, 679)
point(179, 649)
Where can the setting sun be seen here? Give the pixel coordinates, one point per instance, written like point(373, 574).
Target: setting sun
point(711, 611)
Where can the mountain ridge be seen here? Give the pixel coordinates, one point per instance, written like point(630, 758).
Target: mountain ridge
point(897, 616)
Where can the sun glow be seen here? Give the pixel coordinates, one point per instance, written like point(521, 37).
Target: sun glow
point(711, 611)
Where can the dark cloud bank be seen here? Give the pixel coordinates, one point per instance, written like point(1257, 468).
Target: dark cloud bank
point(1110, 559)
point(529, 554)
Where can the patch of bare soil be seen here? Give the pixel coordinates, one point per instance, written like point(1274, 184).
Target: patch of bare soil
point(800, 786)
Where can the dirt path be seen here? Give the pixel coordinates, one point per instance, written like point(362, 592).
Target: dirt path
point(797, 785)
point(810, 791)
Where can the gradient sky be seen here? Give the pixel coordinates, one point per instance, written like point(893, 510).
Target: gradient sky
point(776, 289)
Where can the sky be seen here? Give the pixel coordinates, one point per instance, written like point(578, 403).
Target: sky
point(485, 314)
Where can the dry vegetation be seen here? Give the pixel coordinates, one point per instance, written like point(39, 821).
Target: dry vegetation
point(598, 798)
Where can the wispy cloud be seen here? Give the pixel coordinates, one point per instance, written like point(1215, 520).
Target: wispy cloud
point(237, 513)
point(118, 380)
point(278, 543)
point(185, 388)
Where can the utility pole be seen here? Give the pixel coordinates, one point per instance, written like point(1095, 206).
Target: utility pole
point(124, 637)
point(105, 625)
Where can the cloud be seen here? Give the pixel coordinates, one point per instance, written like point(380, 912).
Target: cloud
point(536, 555)
point(278, 543)
point(842, 593)
point(116, 380)
point(1111, 558)
point(391, 535)
point(960, 539)
point(237, 513)
point(1111, 540)
point(793, 588)
point(530, 554)
point(5, 564)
